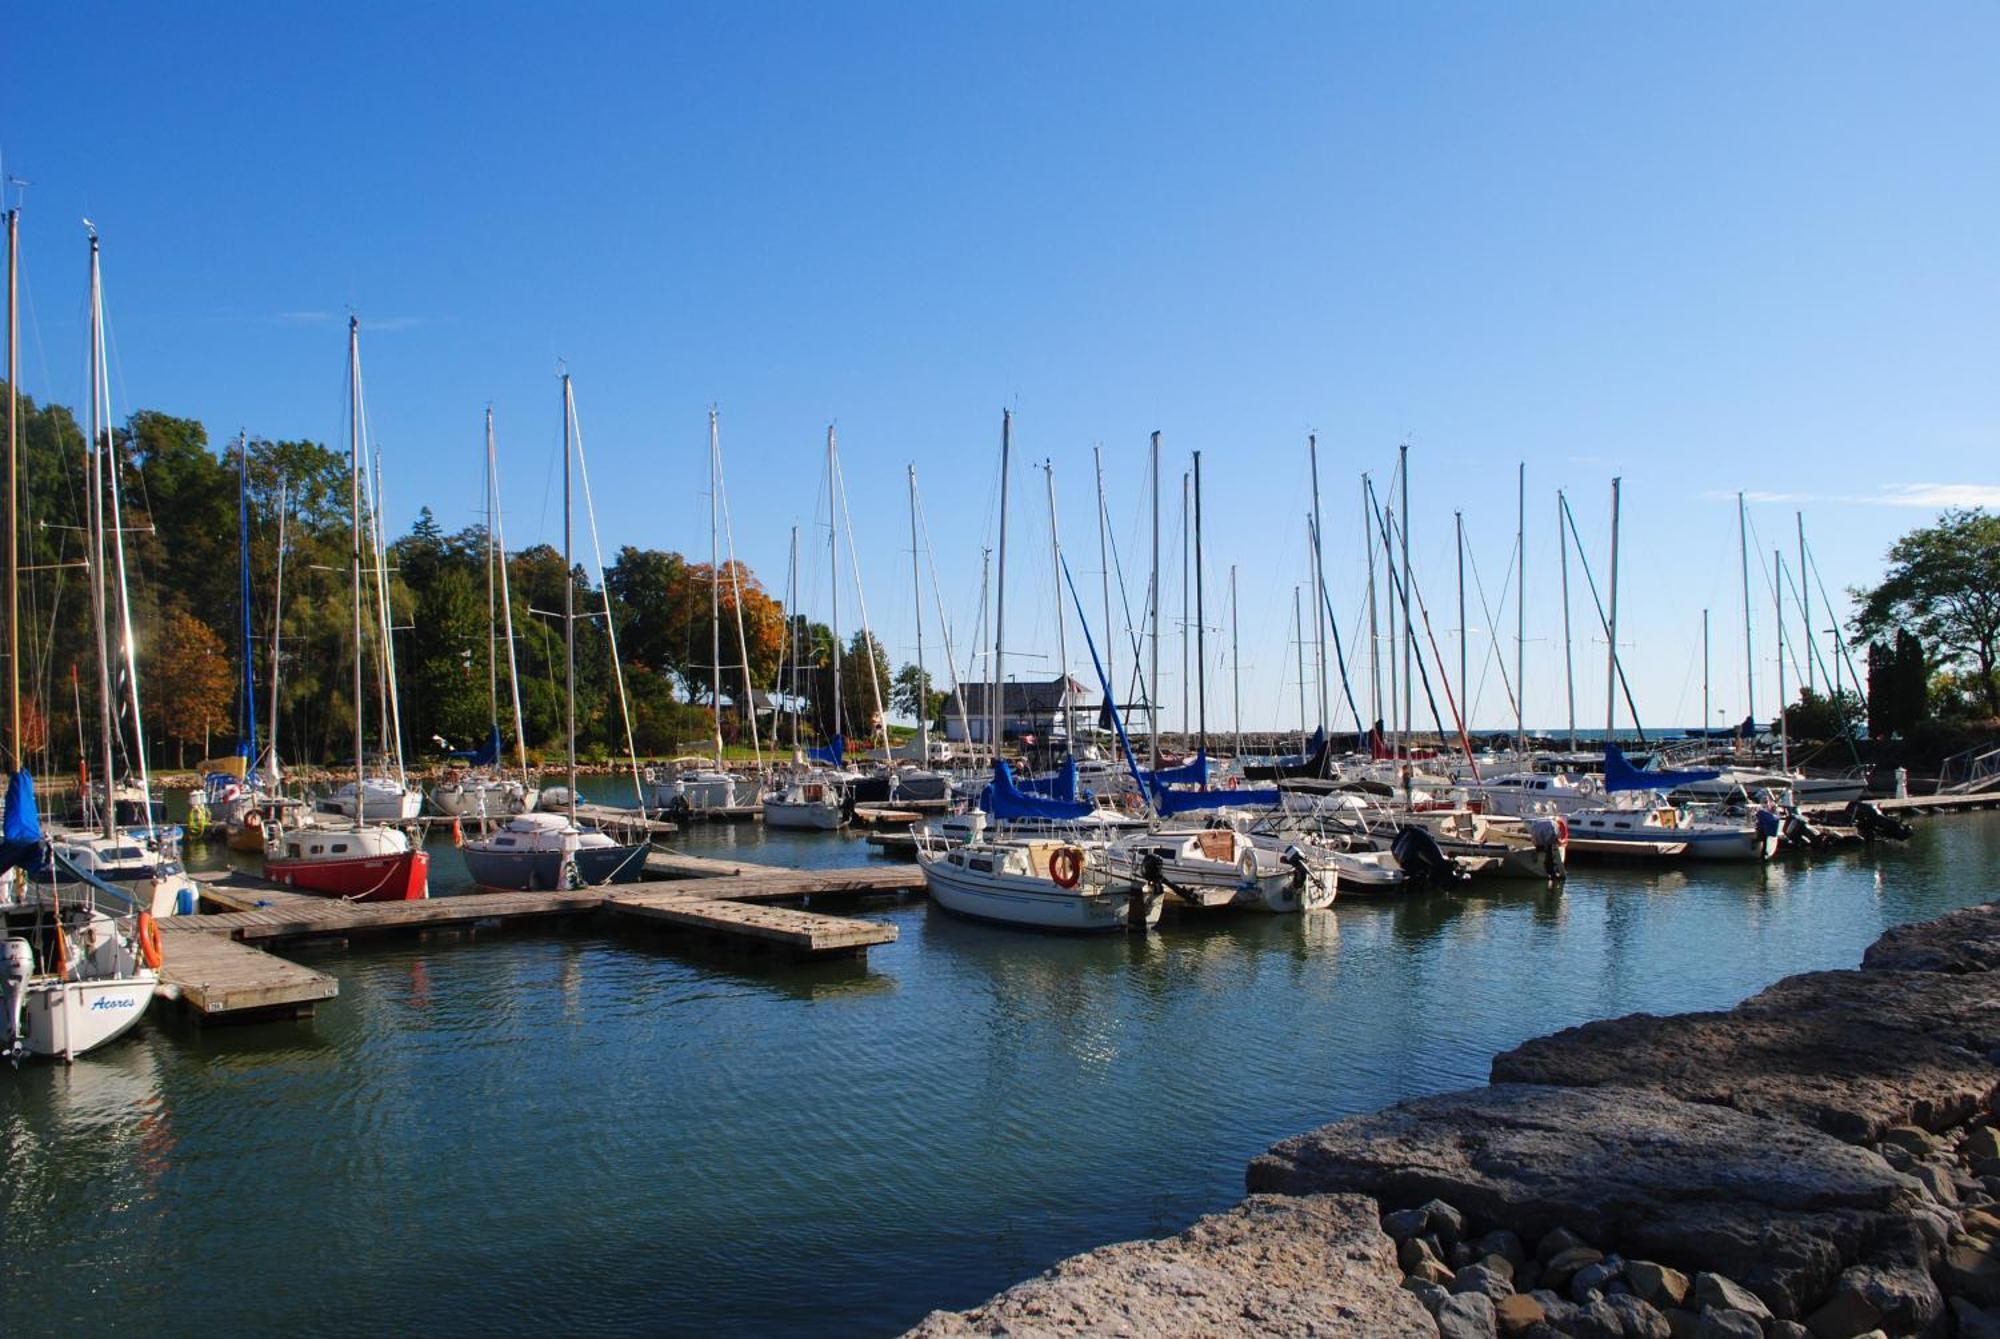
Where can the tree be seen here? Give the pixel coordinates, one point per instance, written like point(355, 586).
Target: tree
point(1943, 584)
point(192, 684)
point(1898, 686)
point(1824, 715)
point(859, 704)
point(915, 695)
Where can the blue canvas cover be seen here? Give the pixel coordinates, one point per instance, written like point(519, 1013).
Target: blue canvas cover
point(22, 837)
point(834, 756)
point(1005, 800)
point(1181, 801)
point(1193, 772)
point(1061, 786)
point(1620, 774)
point(485, 755)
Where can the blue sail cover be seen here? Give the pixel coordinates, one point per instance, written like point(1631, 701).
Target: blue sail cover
point(485, 755)
point(834, 756)
point(1620, 774)
point(23, 831)
point(1170, 802)
point(1194, 772)
point(1061, 786)
point(1004, 800)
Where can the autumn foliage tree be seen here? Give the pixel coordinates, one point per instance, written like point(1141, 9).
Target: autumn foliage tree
point(191, 682)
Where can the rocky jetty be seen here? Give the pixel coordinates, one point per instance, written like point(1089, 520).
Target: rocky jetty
point(1822, 1160)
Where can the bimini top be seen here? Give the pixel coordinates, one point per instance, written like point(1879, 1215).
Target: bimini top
point(1620, 774)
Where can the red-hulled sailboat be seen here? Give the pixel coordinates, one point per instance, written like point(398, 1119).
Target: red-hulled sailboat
point(359, 861)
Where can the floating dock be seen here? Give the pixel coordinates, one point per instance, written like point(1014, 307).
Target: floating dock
point(216, 965)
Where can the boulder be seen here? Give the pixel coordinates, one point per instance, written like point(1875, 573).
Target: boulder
point(1553, 1243)
point(1717, 1323)
point(1937, 1181)
point(1982, 1145)
point(1596, 1319)
point(1725, 1294)
point(1960, 941)
point(1776, 1205)
point(1429, 1294)
point(1972, 1322)
point(1307, 1265)
point(1447, 1222)
point(1657, 1285)
point(1516, 1313)
point(1405, 1223)
point(1480, 1279)
point(1851, 1053)
point(1413, 1252)
point(1912, 1138)
point(1640, 1320)
point(1467, 1316)
point(1971, 1269)
point(1590, 1280)
point(1504, 1244)
point(1558, 1272)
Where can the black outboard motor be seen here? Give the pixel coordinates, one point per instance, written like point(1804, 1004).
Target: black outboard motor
point(1296, 859)
point(1425, 862)
point(1873, 824)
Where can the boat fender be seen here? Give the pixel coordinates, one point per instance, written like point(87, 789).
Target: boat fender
point(1248, 866)
point(1586, 785)
point(149, 941)
point(184, 902)
point(1066, 866)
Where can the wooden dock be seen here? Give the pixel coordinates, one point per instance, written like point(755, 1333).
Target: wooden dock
point(216, 964)
point(1921, 804)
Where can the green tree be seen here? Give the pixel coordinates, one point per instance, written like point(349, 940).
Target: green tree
point(1824, 715)
point(916, 696)
point(1943, 583)
point(190, 680)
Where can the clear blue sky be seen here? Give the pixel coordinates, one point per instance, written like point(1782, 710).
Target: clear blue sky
point(1707, 247)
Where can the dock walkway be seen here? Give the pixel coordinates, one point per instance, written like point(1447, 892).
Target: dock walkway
point(216, 964)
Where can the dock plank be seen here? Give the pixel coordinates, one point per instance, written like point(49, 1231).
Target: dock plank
point(215, 975)
point(804, 932)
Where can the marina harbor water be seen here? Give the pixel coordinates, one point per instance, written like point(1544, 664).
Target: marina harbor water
point(620, 1137)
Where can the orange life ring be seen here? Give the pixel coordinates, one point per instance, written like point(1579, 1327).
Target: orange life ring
point(1066, 866)
point(149, 940)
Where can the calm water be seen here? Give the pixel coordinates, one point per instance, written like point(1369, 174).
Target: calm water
point(571, 1131)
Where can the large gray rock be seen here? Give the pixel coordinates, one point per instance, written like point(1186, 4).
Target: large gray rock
point(1961, 941)
point(1314, 1265)
point(1853, 1053)
point(1779, 1207)
point(1467, 1316)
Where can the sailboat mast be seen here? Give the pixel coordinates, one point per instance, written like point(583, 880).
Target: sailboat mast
point(569, 611)
point(492, 591)
point(1062, 624)
point(1235, 673)
point(15, 747)
point(1569, 660)
point(833, 568)
point(1805, 601)
point(1374, 626)
point(1299, 649)
point(1200, 619)
point(1187, 547)
point(1458, 531)
point(1319, 584)
point(506, 606)
point(277, 633)
point(100, 433)
point(1153, 688)
point(1409, 629)
point(1778, 600)
point(747, 717)
point(792, 630)
point(714, 589)
point(1521, 607)
point(1104, 571)
point(249, 651)
point(1705, 721)
point(1611, 628)
point(1749, 652)
point(354, 544)
point(917, 598)
point(998, 704)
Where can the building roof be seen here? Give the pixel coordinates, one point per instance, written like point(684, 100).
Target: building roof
point(1019, 699)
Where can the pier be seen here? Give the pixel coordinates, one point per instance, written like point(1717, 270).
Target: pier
point(219, 965)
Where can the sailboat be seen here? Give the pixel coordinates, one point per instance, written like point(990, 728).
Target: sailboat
point(475, 788)
point(73, 976)
point(1038, 875)
point(818, 798)
point(552, 850)
point(362, 860)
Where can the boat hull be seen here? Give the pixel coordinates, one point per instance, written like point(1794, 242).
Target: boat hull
point(542, 871)
point(1034, 904)
point(785, 814)
point(61, 1018)
point(380, 878)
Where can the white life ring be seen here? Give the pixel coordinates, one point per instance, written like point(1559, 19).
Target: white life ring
point(1586, 785)
point(1248, 865)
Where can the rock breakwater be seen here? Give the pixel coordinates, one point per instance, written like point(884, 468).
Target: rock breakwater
point(1822, 1160)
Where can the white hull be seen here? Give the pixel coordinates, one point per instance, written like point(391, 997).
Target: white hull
point(61, 1018)
point(1034, 903)
point(787, 814)
point(383, 804)
point(491, 799)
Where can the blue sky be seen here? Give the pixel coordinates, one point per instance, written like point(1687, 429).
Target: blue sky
point(1704, 247)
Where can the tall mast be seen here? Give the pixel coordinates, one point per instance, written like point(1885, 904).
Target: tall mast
point(243, 535)
point(1374, 626)
point(1521, 608)
point(1153, 690)
point(492, 593)
point(1200, 620)
point(1409, 629)
point(1299, 647)
point(1749, 652)
point(792, 630)
point(1187, 536)
point(833, 569)
point(277, 635)
point(1458, 531)
point(1778, 598)
point(506, 603)
point(1569, 660)
point(1611, 628)
point(1319, 583)
point(748, 715)
point(1805, 601)
point(1235, 672)
point(1706, 723)
point(1062, 624)
point(16, 749)
point(917, 597)
point(569, 610)
point(714, 589)
point(99, 449)
point(354, 545)
point(998, 705)
point(1104, 571)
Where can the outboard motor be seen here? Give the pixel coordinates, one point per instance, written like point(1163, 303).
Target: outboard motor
point(16, 966)
point(1424, 861)
point(1798, 832)
point(1297, 860)
point(1873, 824)
point(1551, 837)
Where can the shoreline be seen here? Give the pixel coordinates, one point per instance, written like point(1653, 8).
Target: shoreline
point(1822, 1159)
